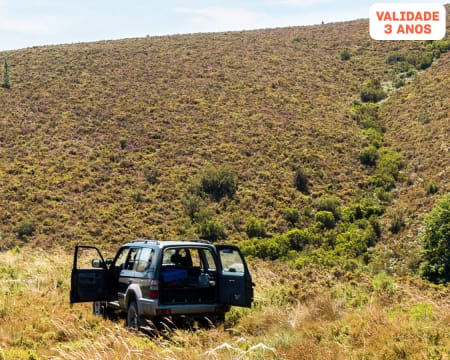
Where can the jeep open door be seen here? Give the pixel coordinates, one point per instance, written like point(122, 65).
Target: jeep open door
point(235, 282)
point(90, 278)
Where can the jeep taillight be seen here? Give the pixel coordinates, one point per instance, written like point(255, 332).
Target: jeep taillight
point(154, 292)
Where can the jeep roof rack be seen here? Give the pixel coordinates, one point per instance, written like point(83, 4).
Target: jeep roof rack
point(203, 241)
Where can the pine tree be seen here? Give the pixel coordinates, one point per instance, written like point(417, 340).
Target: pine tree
point(6, 84)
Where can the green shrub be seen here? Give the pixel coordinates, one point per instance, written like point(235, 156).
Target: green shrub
point(394, 58)
point(345, 55)
point(138, 195)
point(25, 228)
point(300, 238)
point(432, 188)
point(273, 248)
point(374, 136)
point(320, 257)
point(5, 83)
point(212, 230)
point(301, 181)
point(369, 155)
point(383, 283)
point(325, 219)
point(123, 143)
point(255, 227)
point(331, 204)
point(398, 83)
point(193, 205)
point(353, 242)
point(291, 215)
point(422, 312)
point(435, 254)
point(367, 116)
point(397, 222)
point(365, 208)
point(402, 67)
point(442, 45)
point(425, 60)
point(387, 169)
point(266, 248)
point(218, 182)
point(372, 92)
point(151, 175)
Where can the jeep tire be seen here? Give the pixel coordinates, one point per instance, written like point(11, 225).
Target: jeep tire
point(133, 317)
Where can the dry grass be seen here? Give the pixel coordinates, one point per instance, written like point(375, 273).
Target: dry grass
point(341, 320)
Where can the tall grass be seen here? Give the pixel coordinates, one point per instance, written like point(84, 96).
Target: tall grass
point(308, 314)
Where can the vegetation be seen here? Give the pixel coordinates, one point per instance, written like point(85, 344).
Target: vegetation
point(5, 83)
point(347, 313)
point(372, 91)
point(436, 243)
point(263, 138)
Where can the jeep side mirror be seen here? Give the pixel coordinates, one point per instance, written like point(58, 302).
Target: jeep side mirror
point(96, 263)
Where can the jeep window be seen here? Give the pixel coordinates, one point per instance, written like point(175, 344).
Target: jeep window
point(86, 256)
point(179, 256)
point(121, 258)
point(145, 260)
point(195, 258)
point(231, 261)
point(131, 258)
point(209, 258)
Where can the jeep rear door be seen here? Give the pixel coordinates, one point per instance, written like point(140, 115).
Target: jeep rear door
point(89, 283)
point(235, 282)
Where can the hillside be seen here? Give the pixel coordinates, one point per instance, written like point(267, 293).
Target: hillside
point(418, 124)
point(102, 141)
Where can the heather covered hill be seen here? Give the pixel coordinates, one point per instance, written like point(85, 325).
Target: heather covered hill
point(104, 140)
point(418, 124)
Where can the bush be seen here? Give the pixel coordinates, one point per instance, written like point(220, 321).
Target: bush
point(151, 175)
point(424, 61)
point(422, 312)
point(218, 182)
point(331, 204)
point(435, 255)
point(345, 55)
point(25, 228)
point(212, 230)
point(432, 188)
point(5, 83)
point(123, 143)
point(383, 283)
point(397, 222)
point(193, 204)
point(388, 169)
point(372, 92)
point(291, 215)
point(369, 155)
point(374, 136)
point(301, 181)
point(365, 208)
point(353, 242)
point(271, 248)
point(300, 238)
point(255, 227)
point(394, 58)
point(325, 219)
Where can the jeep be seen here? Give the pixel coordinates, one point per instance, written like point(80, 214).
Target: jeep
point(151, 280)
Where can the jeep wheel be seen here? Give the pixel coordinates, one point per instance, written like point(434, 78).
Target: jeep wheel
point(133, 317)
